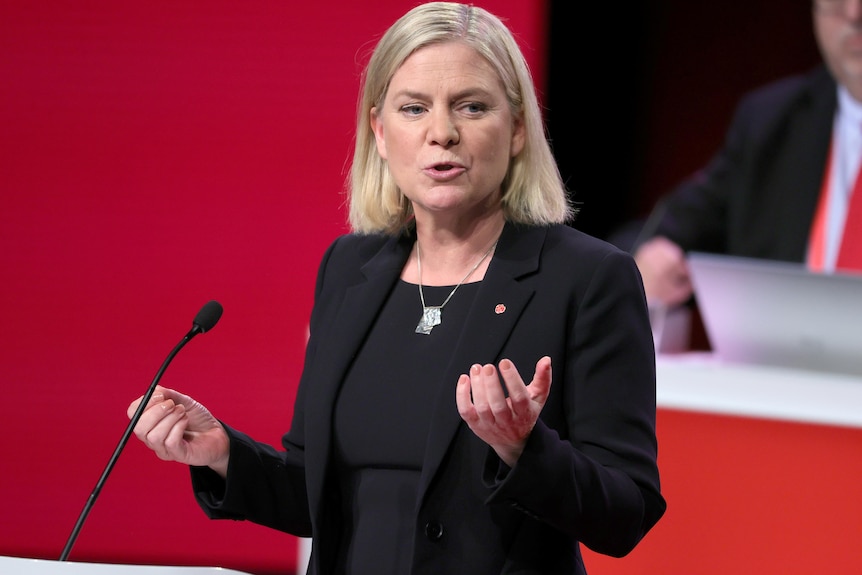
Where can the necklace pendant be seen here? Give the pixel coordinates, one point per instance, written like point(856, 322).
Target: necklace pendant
point(431, 316)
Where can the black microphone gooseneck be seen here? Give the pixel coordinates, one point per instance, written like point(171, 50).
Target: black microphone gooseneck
point(204, 321)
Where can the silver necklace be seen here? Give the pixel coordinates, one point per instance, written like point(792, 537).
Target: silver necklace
point(432, 314)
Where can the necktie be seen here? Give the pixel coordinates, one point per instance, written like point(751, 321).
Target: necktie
point(850, 250)
point(850, 254)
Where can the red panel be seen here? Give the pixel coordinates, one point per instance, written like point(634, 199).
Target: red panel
point(751, 496)
point(153, 156)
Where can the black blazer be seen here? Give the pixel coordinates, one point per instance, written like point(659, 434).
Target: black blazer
point(758, 195)
point(588, 472)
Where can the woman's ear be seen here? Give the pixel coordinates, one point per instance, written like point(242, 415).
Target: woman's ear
point(377, 128)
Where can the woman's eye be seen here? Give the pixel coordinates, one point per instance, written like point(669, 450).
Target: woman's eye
point(412, 109)
point(474, 107)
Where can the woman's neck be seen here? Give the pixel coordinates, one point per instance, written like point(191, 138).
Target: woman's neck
point(447, 256)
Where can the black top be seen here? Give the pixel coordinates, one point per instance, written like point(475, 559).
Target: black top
point(379, 451)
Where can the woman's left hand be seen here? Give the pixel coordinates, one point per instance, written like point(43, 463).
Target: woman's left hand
point(503, 422)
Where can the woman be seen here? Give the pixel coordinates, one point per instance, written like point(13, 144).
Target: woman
point(416, 445)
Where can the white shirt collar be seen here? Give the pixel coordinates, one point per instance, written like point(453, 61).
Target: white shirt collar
point(849, 109)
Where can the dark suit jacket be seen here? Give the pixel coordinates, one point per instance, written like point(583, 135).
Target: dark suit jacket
point(588, 472)
point(758, 195)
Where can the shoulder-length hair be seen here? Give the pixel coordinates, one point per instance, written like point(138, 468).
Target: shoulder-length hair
point(532, 191)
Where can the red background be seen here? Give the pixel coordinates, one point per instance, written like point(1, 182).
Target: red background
point(154, 156)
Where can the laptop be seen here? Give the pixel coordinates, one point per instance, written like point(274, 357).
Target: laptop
point(778, 313)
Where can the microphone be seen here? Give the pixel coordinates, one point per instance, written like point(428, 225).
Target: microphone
point(204, 321)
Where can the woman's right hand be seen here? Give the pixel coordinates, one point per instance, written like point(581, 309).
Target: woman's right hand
point(178, 428)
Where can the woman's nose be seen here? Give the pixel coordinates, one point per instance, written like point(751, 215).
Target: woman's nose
point(442, 130)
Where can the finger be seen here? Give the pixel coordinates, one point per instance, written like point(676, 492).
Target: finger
point(495, 392)
point(175, 441)
point(519, 396)
point(133, 407)
point(540, 387)
point(151, 416)
point(162, 438)
point(152, 422)
point(178, 397)
point(489, 398)
point(512, 379)
point(478, 390)
point(495, 388)
point(463, 399)
point(157, 396)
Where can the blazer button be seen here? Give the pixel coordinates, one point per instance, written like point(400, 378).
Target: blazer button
point(434, 530)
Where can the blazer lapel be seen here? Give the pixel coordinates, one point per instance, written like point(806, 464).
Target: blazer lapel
point(810, 150)
point(499, 303)
point(360, 306)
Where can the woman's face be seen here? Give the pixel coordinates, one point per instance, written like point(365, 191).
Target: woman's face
point(446, 131)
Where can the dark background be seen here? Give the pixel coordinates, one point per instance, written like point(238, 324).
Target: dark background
point(639, 94)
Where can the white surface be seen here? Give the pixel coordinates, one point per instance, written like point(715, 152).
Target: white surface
point(671, 328)
point(304, 555)
point(24, 566)
point(702, 382)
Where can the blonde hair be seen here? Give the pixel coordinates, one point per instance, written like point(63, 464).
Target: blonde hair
point(532, 192)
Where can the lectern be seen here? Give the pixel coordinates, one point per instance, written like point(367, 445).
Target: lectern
point(24, 566)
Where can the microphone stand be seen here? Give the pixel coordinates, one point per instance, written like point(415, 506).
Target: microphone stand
point(196, 329)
